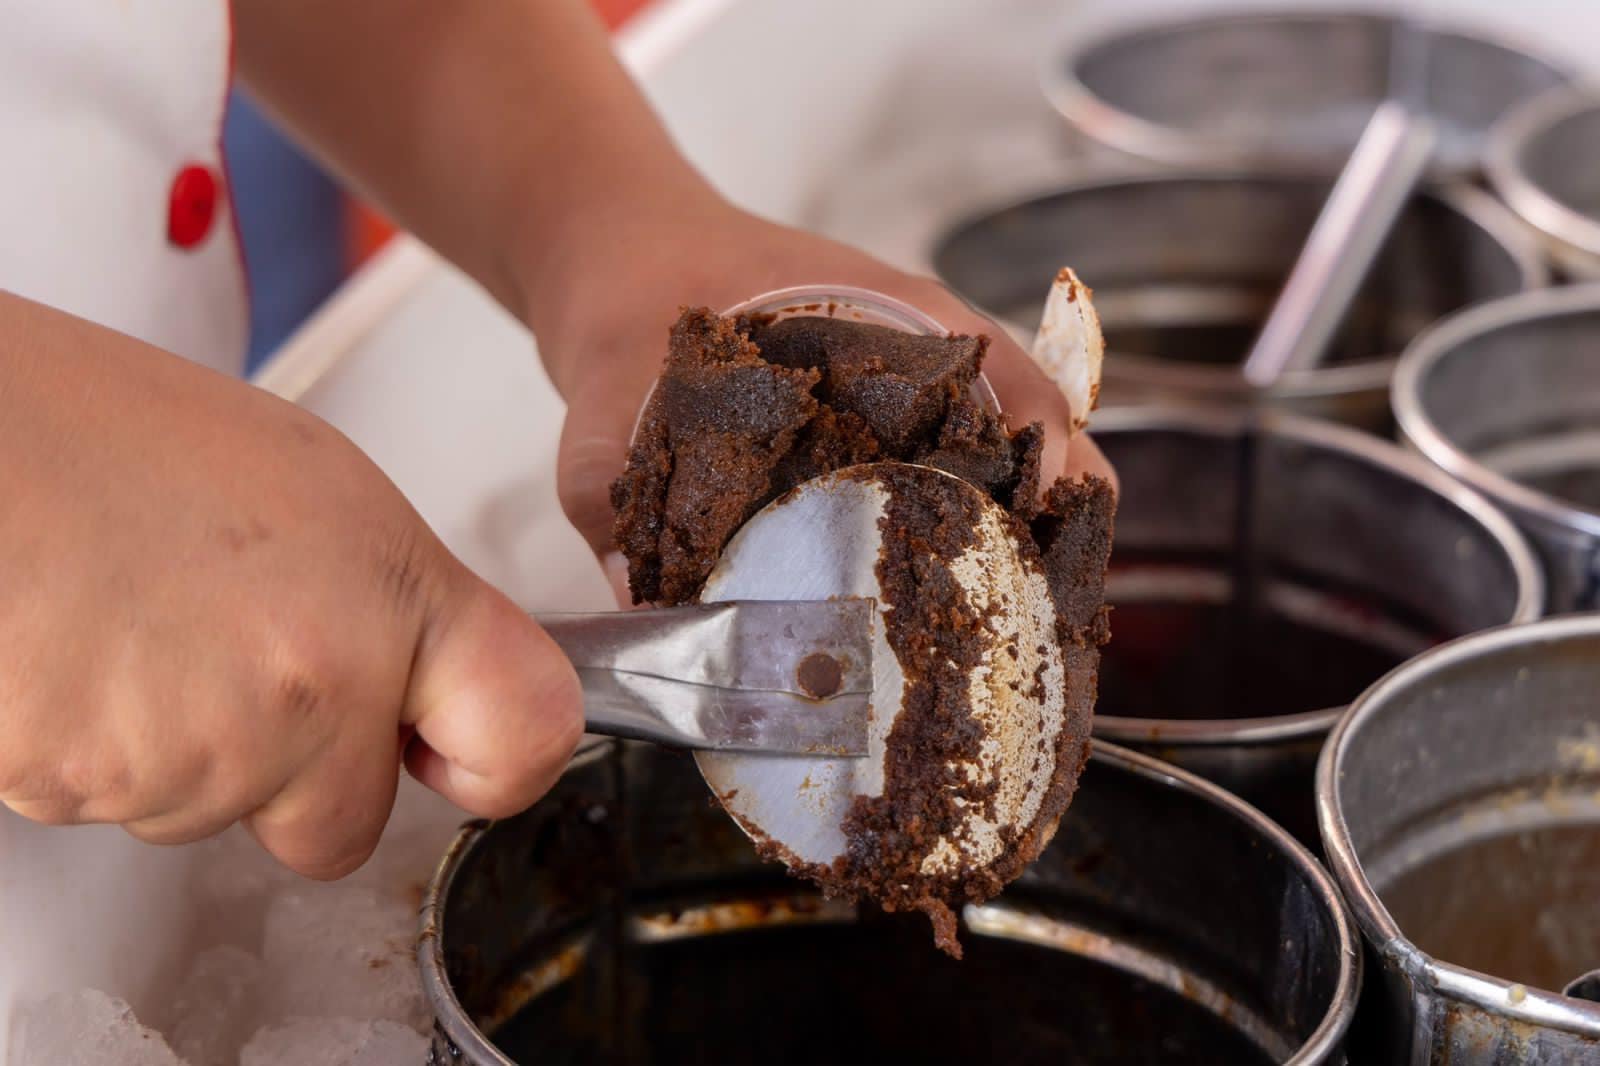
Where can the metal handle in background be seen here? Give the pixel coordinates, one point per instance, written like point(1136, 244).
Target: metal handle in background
point(744, 676)
point(1585, 987)
point(1383, 170)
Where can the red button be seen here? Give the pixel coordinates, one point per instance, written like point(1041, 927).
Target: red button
point(192, 206)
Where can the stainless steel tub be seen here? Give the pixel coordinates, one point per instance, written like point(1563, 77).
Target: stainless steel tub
point(1286, 90)
point(1506, 397)
point(1185, 268)
point(1544, 161)
point(624, 918)
point(1267, 570)
point(1459, 800)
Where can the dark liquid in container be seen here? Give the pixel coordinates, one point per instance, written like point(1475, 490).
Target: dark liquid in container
point(1188, 660)
point(1523, 906)
point(1559, 457)
point(867, 993)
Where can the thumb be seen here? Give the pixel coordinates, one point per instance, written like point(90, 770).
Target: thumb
point(593, 452)
point(494, 703)
point(603, 406)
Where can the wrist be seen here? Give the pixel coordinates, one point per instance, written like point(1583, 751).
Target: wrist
point(612, 255)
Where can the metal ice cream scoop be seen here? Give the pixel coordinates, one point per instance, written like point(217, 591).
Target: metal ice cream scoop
point(772, 678)
point(826, 538)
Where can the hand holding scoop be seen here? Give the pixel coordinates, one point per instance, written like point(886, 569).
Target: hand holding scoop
point(974, 733)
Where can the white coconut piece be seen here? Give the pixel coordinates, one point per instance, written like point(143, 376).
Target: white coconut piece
point(1069, 347)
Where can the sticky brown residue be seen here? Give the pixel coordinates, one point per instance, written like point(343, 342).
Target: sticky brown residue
point(939, 640)
point(819, 675)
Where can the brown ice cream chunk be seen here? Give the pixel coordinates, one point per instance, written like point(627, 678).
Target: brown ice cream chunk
point(977, 447)
point(938, 637)
point(747, 409)
point(900, 384)
point(720, 422)
point(830, 441)
point(1074, 537)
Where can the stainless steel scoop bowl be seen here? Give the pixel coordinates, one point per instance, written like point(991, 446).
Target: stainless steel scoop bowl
point(822, 540)
point(1505, 397)
point(621, 919)
point(825, 539)
point(1185, 267)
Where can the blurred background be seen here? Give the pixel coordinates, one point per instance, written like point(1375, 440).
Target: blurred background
point(302, 233)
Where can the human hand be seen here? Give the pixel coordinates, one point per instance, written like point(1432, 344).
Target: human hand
point(214, 607)
point(603, 341)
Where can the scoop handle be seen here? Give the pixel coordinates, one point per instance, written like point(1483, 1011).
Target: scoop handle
point(789, 678)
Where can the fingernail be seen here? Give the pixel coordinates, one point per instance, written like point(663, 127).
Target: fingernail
point(616, 571)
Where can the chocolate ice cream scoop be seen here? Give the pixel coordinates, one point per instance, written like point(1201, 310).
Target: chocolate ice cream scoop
point(784, 387)
point(809, 448)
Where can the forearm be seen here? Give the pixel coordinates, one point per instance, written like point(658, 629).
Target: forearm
point(69, 387)
point(55, 375)
point(497, 130)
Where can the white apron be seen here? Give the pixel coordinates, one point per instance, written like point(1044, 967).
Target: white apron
point(113, 199)
point(113, 206)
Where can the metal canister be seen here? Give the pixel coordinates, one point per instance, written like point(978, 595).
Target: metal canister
point(1542, 160)
point(1506, 398)
point(1282, 89)
point(1266, 570)
point(625, 918)
point(1185, 268)
point(1459, 802)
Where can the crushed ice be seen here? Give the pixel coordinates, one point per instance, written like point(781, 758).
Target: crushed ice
point(283, 970)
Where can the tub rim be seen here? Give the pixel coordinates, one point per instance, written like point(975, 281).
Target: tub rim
point(1321, 1045)
point(1086, 111)
point(1434, 345)
point(1429, 976)
point(1568, 229)
point(1277, 729)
